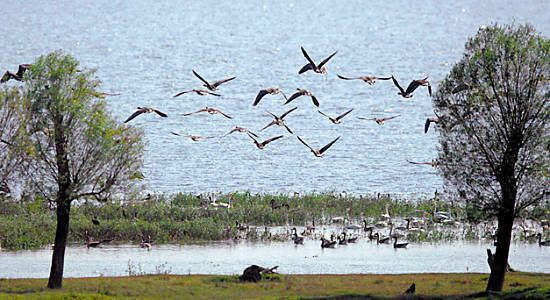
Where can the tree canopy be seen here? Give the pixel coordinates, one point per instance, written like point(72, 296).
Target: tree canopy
point(494, 131)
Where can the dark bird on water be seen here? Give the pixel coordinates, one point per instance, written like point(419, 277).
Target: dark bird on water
point(209, 110)
point(368, 79)
point(379, 121)
point(302, 92)
point(240, 129)
point(314, 67)
point(412, 86)
point(145, 110)
point(411, 290)
point(271, 91)
point(337, 119)
point(212, 86)
point(279, 120)
point(198, 92)
point(264, 143)
point(195, 138)
point(17, 76)
point(319, 153)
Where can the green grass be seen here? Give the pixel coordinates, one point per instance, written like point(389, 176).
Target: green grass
point(517, 285)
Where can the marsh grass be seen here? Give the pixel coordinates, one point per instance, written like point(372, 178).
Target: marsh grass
point(517, 285)
point(182, 218)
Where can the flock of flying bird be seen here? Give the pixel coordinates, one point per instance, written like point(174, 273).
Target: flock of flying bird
point(211, 88)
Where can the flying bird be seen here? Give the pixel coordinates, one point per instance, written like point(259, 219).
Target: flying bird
point(314, 67)
point(264, 143)
point(240, 129)
point(145, 110)
point(209, 110)
point(279, 120)
point(198, 92)
point(427, 124)
point(433, 164)
point(337, 119)
point(195, 138)
point(271, 91)
point(380, 121)
point(318, 153)
point(411, 290)
point(302, 92)
point(212, 86)
point(17, 76)
point(412, 86)
point(368, 79)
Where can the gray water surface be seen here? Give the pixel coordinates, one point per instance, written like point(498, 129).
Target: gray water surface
point(231, 258)
point(145, 50)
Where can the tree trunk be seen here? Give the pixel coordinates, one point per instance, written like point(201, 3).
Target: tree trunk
point(58, 257)
point(508, 186)
point(63, 202)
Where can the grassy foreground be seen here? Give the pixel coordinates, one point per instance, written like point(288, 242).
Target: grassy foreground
point(517, 285)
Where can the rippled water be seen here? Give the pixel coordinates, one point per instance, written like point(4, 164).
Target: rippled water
point(145, 51)
point(231, 258)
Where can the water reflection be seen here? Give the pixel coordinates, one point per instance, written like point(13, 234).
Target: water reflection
point(363, 257)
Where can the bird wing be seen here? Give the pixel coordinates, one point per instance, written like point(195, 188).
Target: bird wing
point(175, 133)
point(221, 112)
point(427, 125)
point(271, 140)
point(215, 84)
point(368, 119)
point(5, 77)
point(286, 113)
point(259, 97)
point(135, 114)
point(294, 96)
point(343, 115)
point(307, 57)
point(202, 79)
point(266, 126)
point(160, 113)
point(324, 114)
point(198, 111)
point(288, 129)
point(327, 59)
point(273, 115)
point(389, 118)
point(281, 91)
point(430, 89)
point(256, 142)
point(305, 68)
point(382, 78)
point(252, 133)
point(412, 86)
point(181, 93)
point(397, 85)
point(214, 94)
point(302, 141)
point(231, 131)
point(347, 78)
point(315, 101)
point(328, 145)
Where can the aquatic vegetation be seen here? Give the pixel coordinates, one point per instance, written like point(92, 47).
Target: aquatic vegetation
point(184, 217)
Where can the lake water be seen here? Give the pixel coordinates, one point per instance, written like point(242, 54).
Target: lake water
point(145, 50)
point(363, 257)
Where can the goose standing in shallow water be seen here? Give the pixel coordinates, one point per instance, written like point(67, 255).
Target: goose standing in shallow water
point(541, 243)
point(384, 240)
point(298, 240)
point(327, 244)
point(399, 245)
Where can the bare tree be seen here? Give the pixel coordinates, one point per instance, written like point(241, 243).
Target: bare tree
point(74, 149)
point(494, 145)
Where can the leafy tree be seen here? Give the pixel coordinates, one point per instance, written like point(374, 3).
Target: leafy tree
point(10, 127)
point(73, 147)
point(494, 131)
